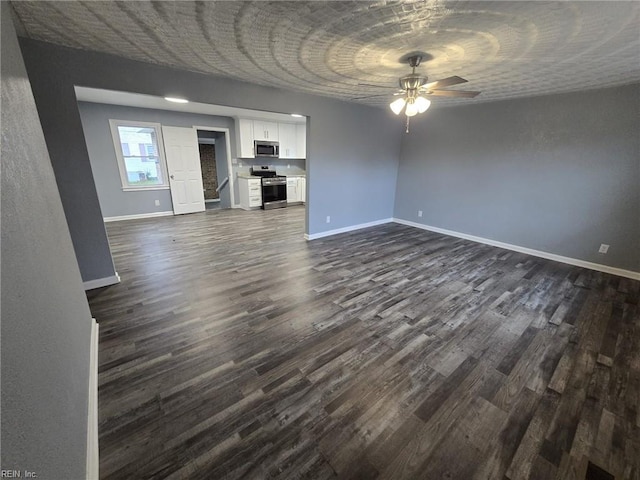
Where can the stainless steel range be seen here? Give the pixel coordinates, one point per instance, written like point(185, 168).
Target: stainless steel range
point(274, 187)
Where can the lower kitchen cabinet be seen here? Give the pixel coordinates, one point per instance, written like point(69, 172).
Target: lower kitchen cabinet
point(292, 190)
point(302, 189)
point(250, 193)
point(296, 189)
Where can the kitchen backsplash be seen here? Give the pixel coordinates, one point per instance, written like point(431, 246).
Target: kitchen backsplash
point(282, 166)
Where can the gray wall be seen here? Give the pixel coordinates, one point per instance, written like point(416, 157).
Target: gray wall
point(558, 173)
point(358, 142)
point(46, 325)
point(102, 155)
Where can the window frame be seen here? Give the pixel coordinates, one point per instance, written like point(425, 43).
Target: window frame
point(124, 179)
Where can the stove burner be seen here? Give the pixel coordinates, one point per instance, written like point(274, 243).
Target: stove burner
point(263, 171)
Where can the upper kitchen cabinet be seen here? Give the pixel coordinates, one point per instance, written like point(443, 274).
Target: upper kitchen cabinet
point(301, 140)
point(265, 130)
point(288, 140)
point(292, 137)
point(245, 138)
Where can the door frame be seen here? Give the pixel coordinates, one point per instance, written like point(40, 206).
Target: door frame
point(227, 141)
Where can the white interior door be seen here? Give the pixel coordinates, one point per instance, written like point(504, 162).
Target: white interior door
point(183, 164)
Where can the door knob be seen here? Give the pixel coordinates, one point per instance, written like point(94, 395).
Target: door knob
point(172, 177)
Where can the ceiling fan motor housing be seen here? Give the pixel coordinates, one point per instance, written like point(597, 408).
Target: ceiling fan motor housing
point(413, 81)
point(414, 60)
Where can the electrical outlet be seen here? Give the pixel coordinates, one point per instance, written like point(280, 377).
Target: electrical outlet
point(288, 165)
point(604, 248)
point(328, 219)
point(157, 203)
point(419, 213)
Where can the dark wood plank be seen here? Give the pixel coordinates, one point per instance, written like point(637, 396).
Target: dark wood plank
point(235, 349)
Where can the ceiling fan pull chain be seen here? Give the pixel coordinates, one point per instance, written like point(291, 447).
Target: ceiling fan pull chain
point(407, 130)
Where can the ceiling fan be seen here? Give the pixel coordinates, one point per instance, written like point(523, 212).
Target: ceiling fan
point(414, 91)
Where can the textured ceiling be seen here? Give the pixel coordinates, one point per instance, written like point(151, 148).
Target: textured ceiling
point(504, 49)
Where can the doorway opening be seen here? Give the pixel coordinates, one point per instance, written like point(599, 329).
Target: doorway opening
point(213, 147)
point(207, 150)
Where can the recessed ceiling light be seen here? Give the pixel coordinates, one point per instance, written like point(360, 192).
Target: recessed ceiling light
point(297, 115)
point(176, 100)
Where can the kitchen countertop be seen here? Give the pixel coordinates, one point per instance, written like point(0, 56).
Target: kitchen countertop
point(246, 175)
point(249, 176)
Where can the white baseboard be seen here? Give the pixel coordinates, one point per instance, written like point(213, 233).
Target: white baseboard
point(102, 282)
point(351, 228)
point(93, 452)
point(529, 251)
point(138, 216)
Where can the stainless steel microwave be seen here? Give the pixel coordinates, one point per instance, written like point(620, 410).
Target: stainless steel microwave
point(266, 149)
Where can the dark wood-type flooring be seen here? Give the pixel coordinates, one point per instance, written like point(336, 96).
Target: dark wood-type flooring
point(234, 349)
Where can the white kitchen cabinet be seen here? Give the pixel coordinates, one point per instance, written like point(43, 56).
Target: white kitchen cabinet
point(296, 189)
point(291, 136)
point(250, 193)
point(265, 130)
point(288, 140)
point(292, 190)
point(302, 189)
point(244, 133)
point(301, 140)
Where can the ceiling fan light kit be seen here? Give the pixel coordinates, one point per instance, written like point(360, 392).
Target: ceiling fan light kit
point(397, 105)
point(411, 110)
point(414, 105)
point(414, 88)
point(422, 104)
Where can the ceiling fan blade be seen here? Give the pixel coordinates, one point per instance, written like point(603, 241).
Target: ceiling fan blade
point(445, 82)
point(452, 93)
point(371, 96)
point(395, 94)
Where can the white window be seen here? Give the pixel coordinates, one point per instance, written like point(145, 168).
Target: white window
point(140, 155)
